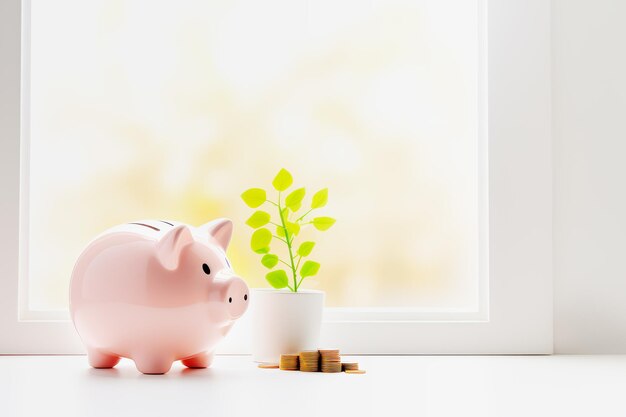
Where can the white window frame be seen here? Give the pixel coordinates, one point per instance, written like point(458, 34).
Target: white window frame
point(517, 135)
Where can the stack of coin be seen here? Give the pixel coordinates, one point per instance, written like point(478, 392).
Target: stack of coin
point(349, 366)
point(289, 362)
point(331, 361)
point(309, 361)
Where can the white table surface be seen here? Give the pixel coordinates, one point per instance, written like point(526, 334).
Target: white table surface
point(393, 386)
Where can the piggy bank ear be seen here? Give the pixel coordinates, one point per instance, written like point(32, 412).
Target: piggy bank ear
point(171, 245)
point(221, 230)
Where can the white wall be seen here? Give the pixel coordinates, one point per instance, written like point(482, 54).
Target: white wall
point(589, 111)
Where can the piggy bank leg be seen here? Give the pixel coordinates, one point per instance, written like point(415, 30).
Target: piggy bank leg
point(100, 360)
point(152, 365)
point(202, 360)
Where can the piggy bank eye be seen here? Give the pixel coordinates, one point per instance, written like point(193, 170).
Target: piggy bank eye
point(206, 269)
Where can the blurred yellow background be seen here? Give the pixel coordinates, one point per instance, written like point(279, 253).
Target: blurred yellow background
point(169, 110)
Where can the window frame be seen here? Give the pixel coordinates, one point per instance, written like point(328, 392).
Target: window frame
point(517, 132)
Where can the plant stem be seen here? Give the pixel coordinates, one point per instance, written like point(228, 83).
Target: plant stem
point(288, 242)
point(299, 259)
point(302, 217)
point(300, 282)
point(279, 238)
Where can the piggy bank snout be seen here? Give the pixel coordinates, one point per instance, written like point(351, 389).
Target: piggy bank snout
point(237, 297)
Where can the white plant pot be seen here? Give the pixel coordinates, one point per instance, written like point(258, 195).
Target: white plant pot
point(284, 322)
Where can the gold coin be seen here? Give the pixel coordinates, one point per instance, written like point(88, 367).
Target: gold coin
point(289, 362)
point(331, 368)
point(349, 366)
point(309, 360)
point(289, 356)
point(355, 371)
point(268, 365)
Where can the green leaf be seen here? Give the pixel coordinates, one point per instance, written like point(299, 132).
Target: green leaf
point(254, 197)
point(269, 260)
point(260, 241)
point(259, 218)
point(305, 248)
point(277, 279)
point(285, 213)
point(294, 199)
point(283, 180)
point(292, 228)
point(280, 231)
point(320, 198)
point(309, 269)
point(323, 223)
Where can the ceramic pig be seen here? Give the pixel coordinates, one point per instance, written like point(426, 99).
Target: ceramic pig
point(156, 292)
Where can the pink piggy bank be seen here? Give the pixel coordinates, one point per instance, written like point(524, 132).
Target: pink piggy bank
point(156, 292)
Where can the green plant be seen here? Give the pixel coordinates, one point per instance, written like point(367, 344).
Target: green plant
point(287, 229)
